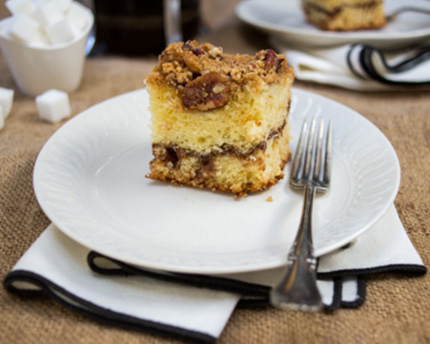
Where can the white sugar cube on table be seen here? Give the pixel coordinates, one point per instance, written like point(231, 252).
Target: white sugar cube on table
point(76, 16)
point(23, 27)
point(20, 6)
point(53, 105)
point(6, 100)
point(60, 32)
point(47, 13)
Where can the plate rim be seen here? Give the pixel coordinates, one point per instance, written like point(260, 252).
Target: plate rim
point(242, 11)
point(206, 270)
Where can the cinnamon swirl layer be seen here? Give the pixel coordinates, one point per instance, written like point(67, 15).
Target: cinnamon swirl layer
point(226, 169)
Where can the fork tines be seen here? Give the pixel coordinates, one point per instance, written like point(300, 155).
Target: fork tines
point(313, 156)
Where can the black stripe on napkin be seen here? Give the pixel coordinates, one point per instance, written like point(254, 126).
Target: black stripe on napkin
point(366, 63)
point(361, 295)
point(406, 269)
point(337, 297)
point(252, 295)
point(73, 302)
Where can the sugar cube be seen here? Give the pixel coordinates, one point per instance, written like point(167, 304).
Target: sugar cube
point(39, 2)
point(64, 5)
point(1, 118)
point(40, 39)
point(60, 32)
point(77, 16)
point(6, 99)
point(53, 105)
point(23, 27)
point(47, 13)
point(20, 6)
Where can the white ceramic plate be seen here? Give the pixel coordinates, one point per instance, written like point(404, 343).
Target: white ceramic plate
point(285, 20)
point(90, 181)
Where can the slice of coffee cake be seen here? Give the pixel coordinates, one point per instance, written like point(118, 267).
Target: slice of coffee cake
point(345, 15)
point(219, 121)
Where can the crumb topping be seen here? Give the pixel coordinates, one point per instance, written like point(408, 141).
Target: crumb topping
point(205, 77)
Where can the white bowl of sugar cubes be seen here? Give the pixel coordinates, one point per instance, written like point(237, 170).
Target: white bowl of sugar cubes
point(43, 42)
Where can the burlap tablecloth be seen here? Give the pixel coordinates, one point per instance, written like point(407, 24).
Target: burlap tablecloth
point(397, 309)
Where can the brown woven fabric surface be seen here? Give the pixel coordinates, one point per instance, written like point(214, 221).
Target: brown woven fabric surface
point(397, 308)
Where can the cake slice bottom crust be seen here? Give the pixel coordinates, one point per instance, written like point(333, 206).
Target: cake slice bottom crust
point(224, 170)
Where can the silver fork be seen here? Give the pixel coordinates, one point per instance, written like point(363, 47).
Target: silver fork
point(311, 172)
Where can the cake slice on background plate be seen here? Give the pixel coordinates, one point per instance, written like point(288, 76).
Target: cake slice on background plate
point(219, 121)
point(345, 15)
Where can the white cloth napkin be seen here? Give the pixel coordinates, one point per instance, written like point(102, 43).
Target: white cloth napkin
point(176, 304)
point(360, 67)
point(58, 265)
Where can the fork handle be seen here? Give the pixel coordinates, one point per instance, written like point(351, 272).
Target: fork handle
point(298, 288)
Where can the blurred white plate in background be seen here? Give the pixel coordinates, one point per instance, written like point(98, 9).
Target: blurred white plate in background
point(285, 19)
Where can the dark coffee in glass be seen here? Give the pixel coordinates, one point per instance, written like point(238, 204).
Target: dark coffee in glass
point(136, 27)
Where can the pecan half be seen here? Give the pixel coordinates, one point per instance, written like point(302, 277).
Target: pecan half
point(270, 60)
point(206, 92)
